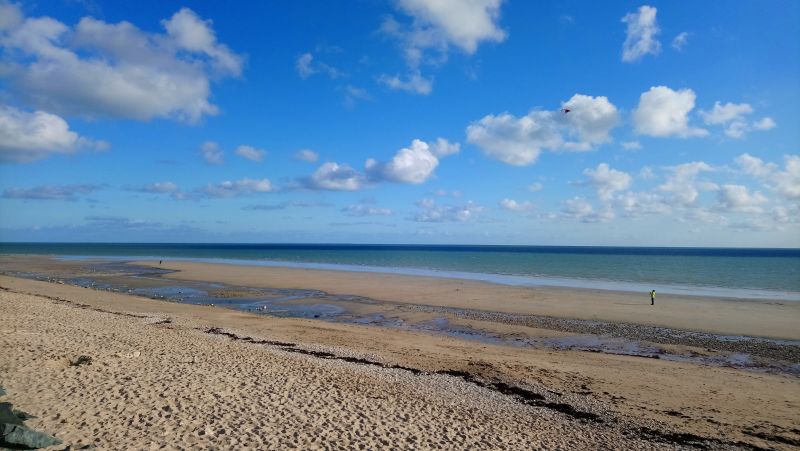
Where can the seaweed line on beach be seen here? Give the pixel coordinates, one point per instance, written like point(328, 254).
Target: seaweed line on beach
point(519, 394)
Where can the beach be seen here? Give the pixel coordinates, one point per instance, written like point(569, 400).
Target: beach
point(180, 376)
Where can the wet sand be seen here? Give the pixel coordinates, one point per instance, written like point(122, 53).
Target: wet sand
point(716, 315)
point(211, 377)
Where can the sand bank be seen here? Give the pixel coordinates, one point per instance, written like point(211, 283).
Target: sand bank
point(721, 316)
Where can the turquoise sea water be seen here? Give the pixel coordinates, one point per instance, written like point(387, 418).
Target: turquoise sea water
point(741, 273)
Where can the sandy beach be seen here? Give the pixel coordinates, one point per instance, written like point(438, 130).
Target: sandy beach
point(177, 376)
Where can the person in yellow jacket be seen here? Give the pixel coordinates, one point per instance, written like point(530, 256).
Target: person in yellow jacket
point(652, 297)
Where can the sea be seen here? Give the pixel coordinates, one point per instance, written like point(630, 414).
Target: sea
point(743, 273)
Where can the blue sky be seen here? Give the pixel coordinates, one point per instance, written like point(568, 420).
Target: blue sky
point(406, 121)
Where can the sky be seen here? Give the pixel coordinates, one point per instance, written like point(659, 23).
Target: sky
point(401, 121)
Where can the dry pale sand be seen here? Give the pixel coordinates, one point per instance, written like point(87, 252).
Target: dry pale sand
point(721, 316)
point(175, 386)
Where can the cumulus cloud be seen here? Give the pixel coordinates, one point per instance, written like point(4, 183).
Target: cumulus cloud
point(513, 205)
point(307, 155)
point(250, 153)
point(664, 112)
point(785, 182)
point(442, 147)
point(607, 181)
point(681, 186)
point(99, 69)
point(642, 32)
point(535, 187)
point(733, 117)
point(737, 198)
point(51, 192)
point(435, 26)
point(680, 41)
point(335, 177)
point(414, 164)
point(414, 83)
point(236, 188)
point(580, 209)
point(638, 204)
point(430, 211)
point(30, 136)
point(211, 153)
point(520, 140)
point(766, 123)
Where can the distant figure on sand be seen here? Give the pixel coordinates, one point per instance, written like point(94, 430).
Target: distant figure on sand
point(159, 262)
point(652, 297)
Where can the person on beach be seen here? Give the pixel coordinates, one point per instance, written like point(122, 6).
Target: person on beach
point(652, 297)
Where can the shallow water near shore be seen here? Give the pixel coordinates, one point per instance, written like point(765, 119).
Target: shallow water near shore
point(767, 274)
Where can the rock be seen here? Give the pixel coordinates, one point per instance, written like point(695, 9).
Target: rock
point(136, 353)
point(81, 360)
point(19, 436)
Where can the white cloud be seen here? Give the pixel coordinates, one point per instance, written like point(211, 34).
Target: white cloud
point(520, 141)
point(581, 210)
point(435, 26)
point(414, 83)
point(681, 186)
point(607, 181)
point(663, 112)
point(366, 209)
point(236, 188)
point(631, 145)
point(642, 32)
point(430, 211)
point(638, 204)
point(766, 123)
point(733, 117)
point(737, 198)
point(442, 147)
point(26, 137)
point(306, 67)
point(250, 153)
point(535, 187)
point(50, 192)
point(722, 114)
point(159, 187)
point(513, 205)
point(680, 41)
point(307, 155)
point(785, 182)
point(413, 164)
point(193, 34)
point(211, 153)
point(97, 69)
point(335, 177)
point(352, 95)
point(440, 23)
